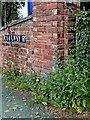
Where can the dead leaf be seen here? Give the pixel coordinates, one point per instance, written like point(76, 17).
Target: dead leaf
point(15, 103)
point(20, 116)
point(6, 97)
point(14, 108)
point(6, 111)
point(10, 108)
point(37, 113)
point(37, 116)
point(7, 87)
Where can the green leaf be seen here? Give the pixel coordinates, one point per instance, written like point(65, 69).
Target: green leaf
point(79, 109)
point(84, 103)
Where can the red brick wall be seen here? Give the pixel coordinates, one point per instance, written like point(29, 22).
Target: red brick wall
point(43, 32)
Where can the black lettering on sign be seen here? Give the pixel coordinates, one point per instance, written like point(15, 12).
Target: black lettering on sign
point(15, 38)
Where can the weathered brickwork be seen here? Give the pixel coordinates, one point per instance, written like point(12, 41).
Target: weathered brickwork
point(44, 31)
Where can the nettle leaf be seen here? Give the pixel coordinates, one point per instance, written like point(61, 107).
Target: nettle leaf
point(79, 109)
point(84, 103)
point(78, 101)
point(73, 103)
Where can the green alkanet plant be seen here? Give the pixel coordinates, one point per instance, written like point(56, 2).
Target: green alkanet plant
point(68, 86)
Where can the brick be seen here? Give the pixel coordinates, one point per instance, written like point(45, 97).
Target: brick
point(41, 29)
point(48, 57)
point(46, 35)
point(46, 24)
point(60, 29)
point(52, 6)
point(60, 6)
point(54, 12)
point(36, 24)
point(47, 67)
point(61, 46)
point(55, 24)
point(51, 30)
point(47, 46)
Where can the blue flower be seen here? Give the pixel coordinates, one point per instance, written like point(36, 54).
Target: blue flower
point(31, 88)
point(45, 76)
point(54, 77)
point(51, 94)
point(54, 52)
point(49, 86)
point(76, 81)
point(54, 87)
point(51, 101)
point(23, 76)
point(85, 43)
point(77, 68)
point(32, 85)
point(59, 81)
point(61, 92)
point(66, 74)
point(59, 71)
point(46, 81)
point(54, 46)
point(82, 32)
point(73, 83)
point(65, 103)
point(67, 66)
point(62, 78)
point(82, 45)
point(84, 88)
point(70, 86)
point(81, 79)
point(51, 80)
point(54, 83)
point(61, 84)
point(46, 73)
point(24, 83)
point(80, 40)
point(58, 106)
point(56, 98)
point(70, 80)
point(75, 72)
point(72, 36)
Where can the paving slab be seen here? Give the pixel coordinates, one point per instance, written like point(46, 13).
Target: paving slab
point(15, 105)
